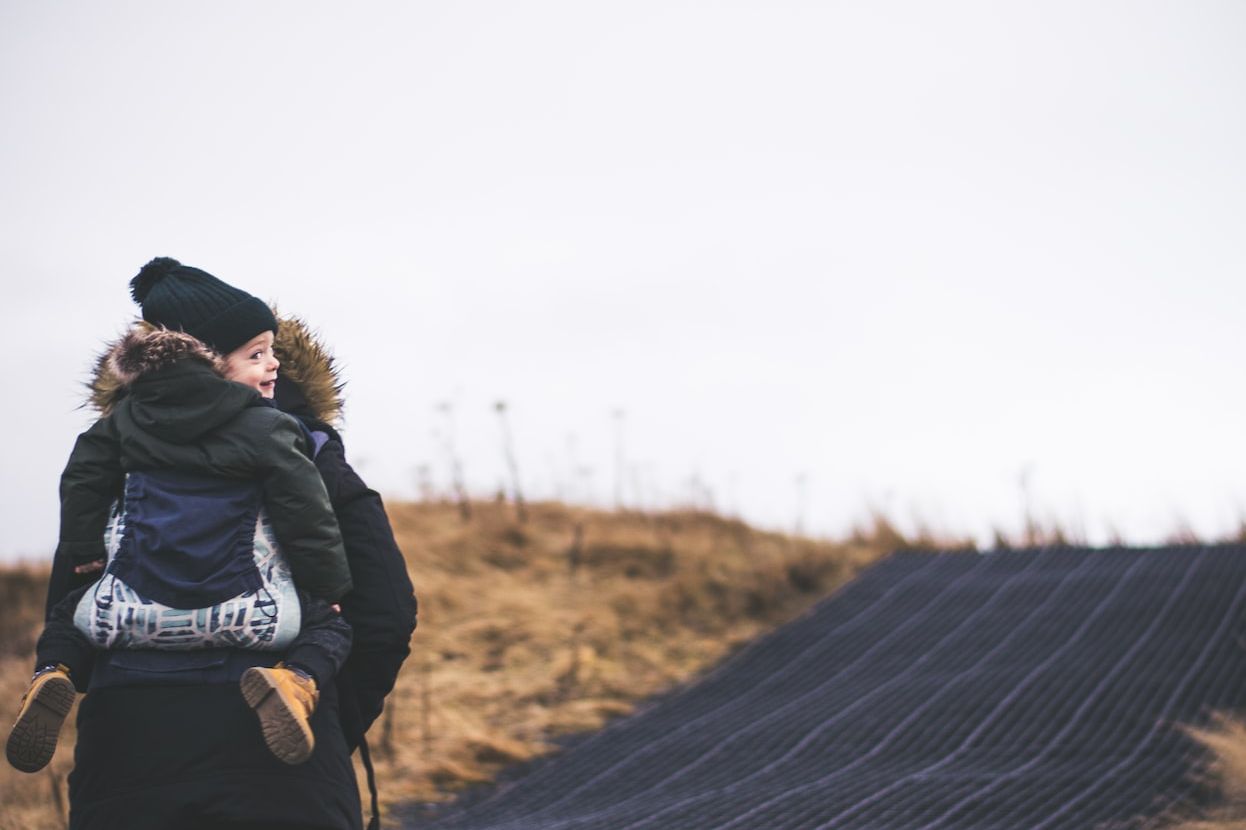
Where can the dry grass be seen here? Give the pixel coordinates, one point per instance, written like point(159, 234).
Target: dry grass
point(528, 632)
point(30, 802)
point(1224, 774)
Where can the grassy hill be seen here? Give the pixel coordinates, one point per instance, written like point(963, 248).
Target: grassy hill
point(528, 631)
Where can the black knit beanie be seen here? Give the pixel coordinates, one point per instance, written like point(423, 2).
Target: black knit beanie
point(177, 296)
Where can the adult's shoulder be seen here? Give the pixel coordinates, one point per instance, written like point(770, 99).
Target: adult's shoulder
point(327, 446)
point(330, 458)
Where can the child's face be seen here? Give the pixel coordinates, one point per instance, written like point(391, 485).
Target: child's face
point(254, 364)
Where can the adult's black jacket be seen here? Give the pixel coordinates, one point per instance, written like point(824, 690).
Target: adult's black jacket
point(381, 607)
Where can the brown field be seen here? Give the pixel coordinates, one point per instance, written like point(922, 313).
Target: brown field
point(528, 632)
point(1225, 772)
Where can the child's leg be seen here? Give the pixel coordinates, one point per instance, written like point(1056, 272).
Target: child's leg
point(61, 643)
point(323, 641)
point(285, 696)
point(62, 650)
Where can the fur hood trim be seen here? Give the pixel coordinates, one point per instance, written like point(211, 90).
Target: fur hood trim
point(306, 361)
point(145, 348)
point(140, 353)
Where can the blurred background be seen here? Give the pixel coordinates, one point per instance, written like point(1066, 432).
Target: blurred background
point(957, 263)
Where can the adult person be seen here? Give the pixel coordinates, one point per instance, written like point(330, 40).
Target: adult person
point(164, 739)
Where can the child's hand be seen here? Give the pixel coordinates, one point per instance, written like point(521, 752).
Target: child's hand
point(89, 567)
point(336, 607)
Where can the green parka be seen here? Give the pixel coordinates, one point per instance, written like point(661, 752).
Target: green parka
point(173, 410)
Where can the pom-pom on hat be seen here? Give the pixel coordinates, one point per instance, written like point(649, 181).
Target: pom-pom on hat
point(187, 299)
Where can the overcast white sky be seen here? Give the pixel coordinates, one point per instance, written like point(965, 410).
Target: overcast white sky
point(910, 250)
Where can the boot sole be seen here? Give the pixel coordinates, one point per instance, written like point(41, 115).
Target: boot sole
point(287, 735)
point(33, 740)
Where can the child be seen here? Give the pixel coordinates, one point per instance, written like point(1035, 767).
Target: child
point(191, 448)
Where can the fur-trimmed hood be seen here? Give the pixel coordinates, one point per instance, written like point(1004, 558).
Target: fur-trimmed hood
point(142, 351)
point(311, 369)
point(144, 348)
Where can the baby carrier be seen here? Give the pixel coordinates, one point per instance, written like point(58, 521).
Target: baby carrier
point(192, 563)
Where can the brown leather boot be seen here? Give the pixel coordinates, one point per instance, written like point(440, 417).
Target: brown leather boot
point(284, 700)
point(32, 741)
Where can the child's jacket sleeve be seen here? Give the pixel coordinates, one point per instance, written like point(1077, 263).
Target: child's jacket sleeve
point(91, 482)
point(301, 516)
